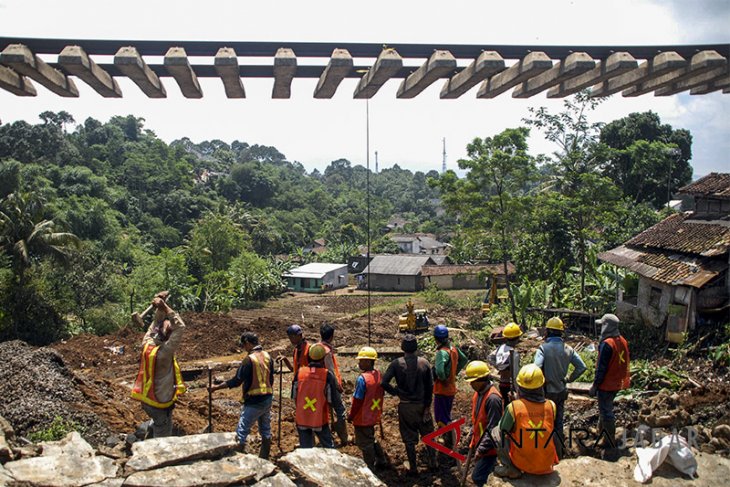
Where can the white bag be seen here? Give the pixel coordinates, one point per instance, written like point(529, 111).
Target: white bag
point(675, 448)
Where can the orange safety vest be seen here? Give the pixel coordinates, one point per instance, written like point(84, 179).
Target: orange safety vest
point(479, 416)
point(312, 408)
point(533, 430)
point(328, 347)
point(618, 375)
point(144, 385)
point(372, 404)
point(448, 387)
point(300, 360)
point(261, 374)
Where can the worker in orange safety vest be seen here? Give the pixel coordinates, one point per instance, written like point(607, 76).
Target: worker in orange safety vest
point(327, 335)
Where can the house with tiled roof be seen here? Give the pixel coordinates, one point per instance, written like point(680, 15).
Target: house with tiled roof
point(679, 267)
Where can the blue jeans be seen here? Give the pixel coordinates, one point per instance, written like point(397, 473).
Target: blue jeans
point(306, 437)
point(605, 404)
point(482, 468)
point(251, 413)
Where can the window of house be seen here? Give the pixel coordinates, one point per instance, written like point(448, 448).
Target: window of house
point(655, 296)
point(399, 281)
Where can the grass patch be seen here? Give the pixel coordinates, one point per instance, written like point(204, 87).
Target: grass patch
point(57, 430)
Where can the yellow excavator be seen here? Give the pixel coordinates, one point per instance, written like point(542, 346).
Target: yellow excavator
point(491, 298)
point(413, 320)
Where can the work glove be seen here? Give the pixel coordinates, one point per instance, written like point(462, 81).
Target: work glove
point(593, 391)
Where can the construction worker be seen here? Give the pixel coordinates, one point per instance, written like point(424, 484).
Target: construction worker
point(367, 407)
point(612, 375)
point(301, 352)
point(448, 362)
point(554, 357)
point(414, 388)
point(256, 376)
point(507, 362)
point(327, 335)
point(486, 411)
point(527, 428)
point(315, 393)
point(159, 381)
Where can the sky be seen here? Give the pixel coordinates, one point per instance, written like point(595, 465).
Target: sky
point(404, 132)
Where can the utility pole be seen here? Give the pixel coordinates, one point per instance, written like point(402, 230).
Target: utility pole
point(376, 162)
point(443, 165)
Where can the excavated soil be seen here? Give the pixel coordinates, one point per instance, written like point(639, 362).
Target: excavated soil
point(88, 378)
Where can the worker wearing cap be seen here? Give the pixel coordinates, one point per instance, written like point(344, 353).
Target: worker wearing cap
point(327, 335)
point(159, 381)
point(315, 392)
point(301, 352)
point(506, 360)
point(414, 388)
point(554, 358)
point(612, 375)
point(448, 361)
point(527, 429)
point(486, 410)
point(367, 407)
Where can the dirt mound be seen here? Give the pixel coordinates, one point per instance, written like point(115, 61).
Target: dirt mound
point(36, 387)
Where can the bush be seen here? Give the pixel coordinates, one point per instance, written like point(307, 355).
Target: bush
point(57, 430)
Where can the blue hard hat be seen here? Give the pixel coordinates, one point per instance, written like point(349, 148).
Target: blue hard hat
point(294, 330)
point(440, 331)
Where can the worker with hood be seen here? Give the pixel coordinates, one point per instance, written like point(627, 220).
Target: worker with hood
point(612, 375)
point(301, 352)
point(527, 428)
point(159, 381)
point(506, 360)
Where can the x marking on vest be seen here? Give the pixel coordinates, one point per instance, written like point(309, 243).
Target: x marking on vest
point(535, 428)
point(376, 405)
point(310, 404)
point(621, 358)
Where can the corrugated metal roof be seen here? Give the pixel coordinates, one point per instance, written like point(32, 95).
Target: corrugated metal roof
point(397, 265)
point(715, 184)
point(681, 232)
point(452, 270)
point(665, 267)
point(315, 270)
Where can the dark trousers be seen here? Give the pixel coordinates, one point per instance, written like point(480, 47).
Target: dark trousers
point(605, 404)
point(411, 424)
point(482, 468)
point(306, 437)
point(504, 390)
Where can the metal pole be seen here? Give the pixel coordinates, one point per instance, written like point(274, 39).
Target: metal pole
point(210, 400)
point(367, 186)
point(281, 379)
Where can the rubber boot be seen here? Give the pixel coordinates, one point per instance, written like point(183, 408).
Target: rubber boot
point(265, 448)
point(368, 455)
point(340, 427)
point(411, 454)
point(558, 439)
point(443, 458)
point(611, 452)
point(381, 460)
point(433, 463)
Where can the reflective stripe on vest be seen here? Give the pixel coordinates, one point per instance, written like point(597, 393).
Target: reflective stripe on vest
point(336, 367)
point(532, 448)
point(312, 408)
point(448, 387)
point(618, 375)
point(144, 386)
point(480, 416)
point(300, 360)
point(372, 403)
point(261, 375)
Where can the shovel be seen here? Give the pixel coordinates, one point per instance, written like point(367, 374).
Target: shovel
point(465, 472)
point(209, 429)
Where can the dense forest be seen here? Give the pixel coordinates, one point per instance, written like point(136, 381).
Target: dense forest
point(95, 217)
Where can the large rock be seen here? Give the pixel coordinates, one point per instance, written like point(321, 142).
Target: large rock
point(5, 478)
point(237, 469)
point(278, 480)
point(66, 463)
point(6, 433)
point(161, 452)
point(325, 467)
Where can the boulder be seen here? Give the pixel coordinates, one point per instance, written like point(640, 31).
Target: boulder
point(240, 468)
point(161, 452)
point(117, 482)
point(325, 467)
point(66, 463)
point(6, 433)
point(721, 431)
point(278, 480)
point(5, 478)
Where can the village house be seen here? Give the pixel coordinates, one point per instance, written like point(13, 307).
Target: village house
point(395, 272)
point(419, 243)
point(681, 264)
point(451, 276)
point(316, 277)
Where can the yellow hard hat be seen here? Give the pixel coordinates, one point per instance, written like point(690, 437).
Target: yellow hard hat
point(555, 323)
point(367, 353)
point(317, 352)
point(530, 377)
point(476, 369)
point(512, 330)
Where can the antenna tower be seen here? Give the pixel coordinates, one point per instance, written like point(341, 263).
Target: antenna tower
point(443, 165)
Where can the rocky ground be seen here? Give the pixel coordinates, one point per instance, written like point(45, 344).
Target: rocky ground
point(87, 379)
